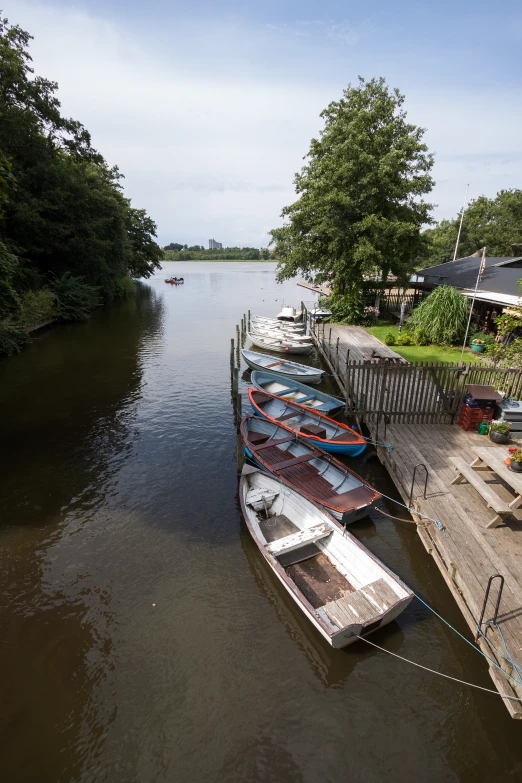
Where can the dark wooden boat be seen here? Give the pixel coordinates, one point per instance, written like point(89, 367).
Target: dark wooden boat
point(309, 469)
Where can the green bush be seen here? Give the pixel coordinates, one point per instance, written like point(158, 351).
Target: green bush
point(443, 316)
point(38, 306)
point(404, 339)
point(13, 337)
point(389, 338)
point(74, 300)
point(420, 337)
point(123, 286)
point(349, 308)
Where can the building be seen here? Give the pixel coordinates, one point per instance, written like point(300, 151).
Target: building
point(213, 245)
point(497, 288)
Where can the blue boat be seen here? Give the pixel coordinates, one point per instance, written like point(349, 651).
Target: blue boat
point(297, 392)
point(330, 435)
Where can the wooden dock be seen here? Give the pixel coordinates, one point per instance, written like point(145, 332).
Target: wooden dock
point(466, 552)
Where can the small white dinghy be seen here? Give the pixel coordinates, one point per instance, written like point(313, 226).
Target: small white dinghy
point(279, 334)
point(273, 323)
point(279, 344)
point(339, 585)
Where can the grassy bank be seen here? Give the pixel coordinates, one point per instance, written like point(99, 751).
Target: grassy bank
point(421, 353)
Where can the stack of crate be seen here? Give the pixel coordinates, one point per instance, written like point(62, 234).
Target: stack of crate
point(471, 417)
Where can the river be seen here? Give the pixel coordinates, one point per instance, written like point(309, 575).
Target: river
point(143, 639)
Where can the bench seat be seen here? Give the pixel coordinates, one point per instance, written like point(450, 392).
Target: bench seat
point(296, 540)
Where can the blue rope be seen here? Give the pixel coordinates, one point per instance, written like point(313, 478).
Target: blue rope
point(474, 646)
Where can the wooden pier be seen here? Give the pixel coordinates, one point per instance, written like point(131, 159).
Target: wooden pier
point(418, 424)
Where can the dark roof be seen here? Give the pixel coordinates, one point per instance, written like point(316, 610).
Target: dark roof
point(500, 276)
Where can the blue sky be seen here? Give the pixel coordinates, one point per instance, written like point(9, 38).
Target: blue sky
point(209, 107)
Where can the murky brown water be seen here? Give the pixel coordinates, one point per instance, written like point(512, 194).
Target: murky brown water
point(119, 491)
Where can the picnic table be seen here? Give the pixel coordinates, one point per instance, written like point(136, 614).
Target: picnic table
point(490, 459)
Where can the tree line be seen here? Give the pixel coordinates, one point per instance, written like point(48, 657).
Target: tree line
point(70, 239)
point(174, 252)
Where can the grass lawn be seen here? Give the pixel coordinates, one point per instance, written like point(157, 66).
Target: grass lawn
point(421, 353)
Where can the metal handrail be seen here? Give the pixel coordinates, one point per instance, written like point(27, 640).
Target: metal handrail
point(497, 605)
point(418, 465)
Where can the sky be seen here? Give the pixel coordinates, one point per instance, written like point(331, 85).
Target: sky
point(208, 108)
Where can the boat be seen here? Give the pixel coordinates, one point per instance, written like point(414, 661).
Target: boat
point(320, 313)
point(291, 370)
point(175, 280)
point(289, 314)
point(332, 436)
point(280, 334)
point(273, 323)
point(279, 345)
point(297, 392)
point(344, 590)
point(309, 469)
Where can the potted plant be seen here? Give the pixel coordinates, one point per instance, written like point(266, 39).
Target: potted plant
point(516, 461)
point(478, 346)
point(499, 432)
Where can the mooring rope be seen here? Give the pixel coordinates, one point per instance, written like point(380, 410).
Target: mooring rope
point(440, 674)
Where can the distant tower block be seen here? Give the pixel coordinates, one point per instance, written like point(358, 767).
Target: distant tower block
point(213, 245)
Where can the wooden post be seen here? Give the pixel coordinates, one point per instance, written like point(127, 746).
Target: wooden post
point(238, 344)
point(232, 352)
point(235, 381)
point(248, 320)
point(346, 391)
point(239, 408)
point(329, 343)
point(337, 354)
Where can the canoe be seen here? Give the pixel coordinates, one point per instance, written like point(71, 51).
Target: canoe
point(273, 323)
point(289, 314)
point(279, 345)
point(309, 469)
point(291, 370)
point(281, 334)
point(344, 590)
point(297, 392)
point(332, 436)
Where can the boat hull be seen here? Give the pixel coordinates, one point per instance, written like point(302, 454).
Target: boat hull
point(348, 449)
point(319, 401)
point(285, 372)
point(279, 346)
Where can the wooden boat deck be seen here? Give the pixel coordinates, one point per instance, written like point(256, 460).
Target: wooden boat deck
point(319, 581)
point(465, 550)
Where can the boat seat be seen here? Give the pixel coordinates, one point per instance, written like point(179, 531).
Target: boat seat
point(286, 416)
point(313, 429)
point(362, 606)
point(288, 463)
point(256, 438)
point(296, 540)
point(260, 397)
point(269, 443)
point(260, 497)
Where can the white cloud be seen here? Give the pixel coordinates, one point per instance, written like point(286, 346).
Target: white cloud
point(210, 128)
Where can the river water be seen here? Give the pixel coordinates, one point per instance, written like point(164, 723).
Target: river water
point(142, 637)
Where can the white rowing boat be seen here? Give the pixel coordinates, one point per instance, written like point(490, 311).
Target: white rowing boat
point(291, 370)
point(344, 590)
point(279, 345)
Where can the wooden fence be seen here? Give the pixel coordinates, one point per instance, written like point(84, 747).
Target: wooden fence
point(424, 392)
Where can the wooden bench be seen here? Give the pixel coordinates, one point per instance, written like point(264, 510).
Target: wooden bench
point(307, 536)
point(466, 472)
point(288, 463)
point(269, 443)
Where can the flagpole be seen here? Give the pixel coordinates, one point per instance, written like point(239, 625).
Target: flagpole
point(481, 270)
point(461, 219)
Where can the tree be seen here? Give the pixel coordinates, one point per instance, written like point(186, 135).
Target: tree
point(495, 223)
point(360, 205)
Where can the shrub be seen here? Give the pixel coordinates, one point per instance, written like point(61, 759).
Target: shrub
point(420, 337)
point(38, 306)
point(13, 337)
point(350, 307)
point(390, 338)
point(501, 426)
point(443, 315)
point(404, 339)
point(73, 298)
point(482, 337)
point(123, 286)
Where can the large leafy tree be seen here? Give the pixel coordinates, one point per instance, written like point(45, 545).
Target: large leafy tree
point(64, 212)
point(492, 222)
point(360, 204)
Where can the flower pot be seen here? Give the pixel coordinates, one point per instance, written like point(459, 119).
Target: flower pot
point(478, 347)
point(516, 467)
point(498, 437)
